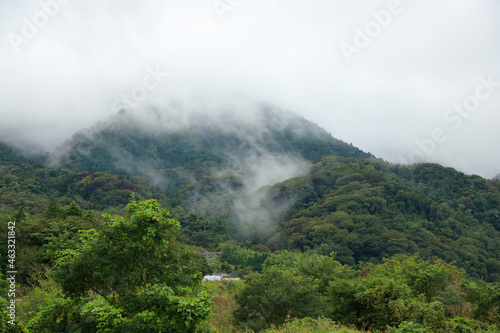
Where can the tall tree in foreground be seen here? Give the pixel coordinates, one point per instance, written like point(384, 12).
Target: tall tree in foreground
point(130, 276)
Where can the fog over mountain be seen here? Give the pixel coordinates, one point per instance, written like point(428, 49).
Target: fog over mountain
point(406, 81)
point(214, 158)
point(262, 144)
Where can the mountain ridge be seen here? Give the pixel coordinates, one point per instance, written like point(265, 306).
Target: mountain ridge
point(165, 146)
point(271, 129)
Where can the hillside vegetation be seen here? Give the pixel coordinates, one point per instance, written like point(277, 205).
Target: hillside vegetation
point(367, 210)
point(326, 237)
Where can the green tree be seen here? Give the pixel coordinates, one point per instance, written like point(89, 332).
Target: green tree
point(20, 215)
point(53, 210)
point(130, 276)
point(408, 289)
point(267, 299)
point(74, 210)
point(485, 299)
point(324, 269)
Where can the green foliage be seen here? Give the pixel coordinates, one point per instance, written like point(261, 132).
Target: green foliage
point(130, 275)
point(124, 147)
point(330, 230)
point(10, 154)
point(396, 291)
point(53, 210)
point(269, 298)
point(38, 297)
point(20, 215)
point(409, 327)
point(74, 210)
point(366, 210)
point(323, 269)
point(34, 237)
point(25, 185)
point(241, 258)
point(203, 232)
point(58, 315)
point(402, 294)
point(320, 325)
point(222, 294)
point(485, 299)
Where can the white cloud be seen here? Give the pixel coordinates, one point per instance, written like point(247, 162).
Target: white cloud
point(285, 52)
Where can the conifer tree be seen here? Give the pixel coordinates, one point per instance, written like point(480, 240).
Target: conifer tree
point(53, 210)
point(74, 210)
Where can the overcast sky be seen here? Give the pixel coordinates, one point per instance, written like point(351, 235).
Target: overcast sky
point(405, 80)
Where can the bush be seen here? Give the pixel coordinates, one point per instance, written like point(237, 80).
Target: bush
point(269, 298)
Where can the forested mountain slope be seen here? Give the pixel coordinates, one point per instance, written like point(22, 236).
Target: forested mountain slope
point(248, 179)
point(32, 185)
point(366, 210)
point(10, 154)
point(156, 143)
point(275, 194)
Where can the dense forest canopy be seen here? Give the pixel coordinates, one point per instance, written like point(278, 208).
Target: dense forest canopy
point(107, 238)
